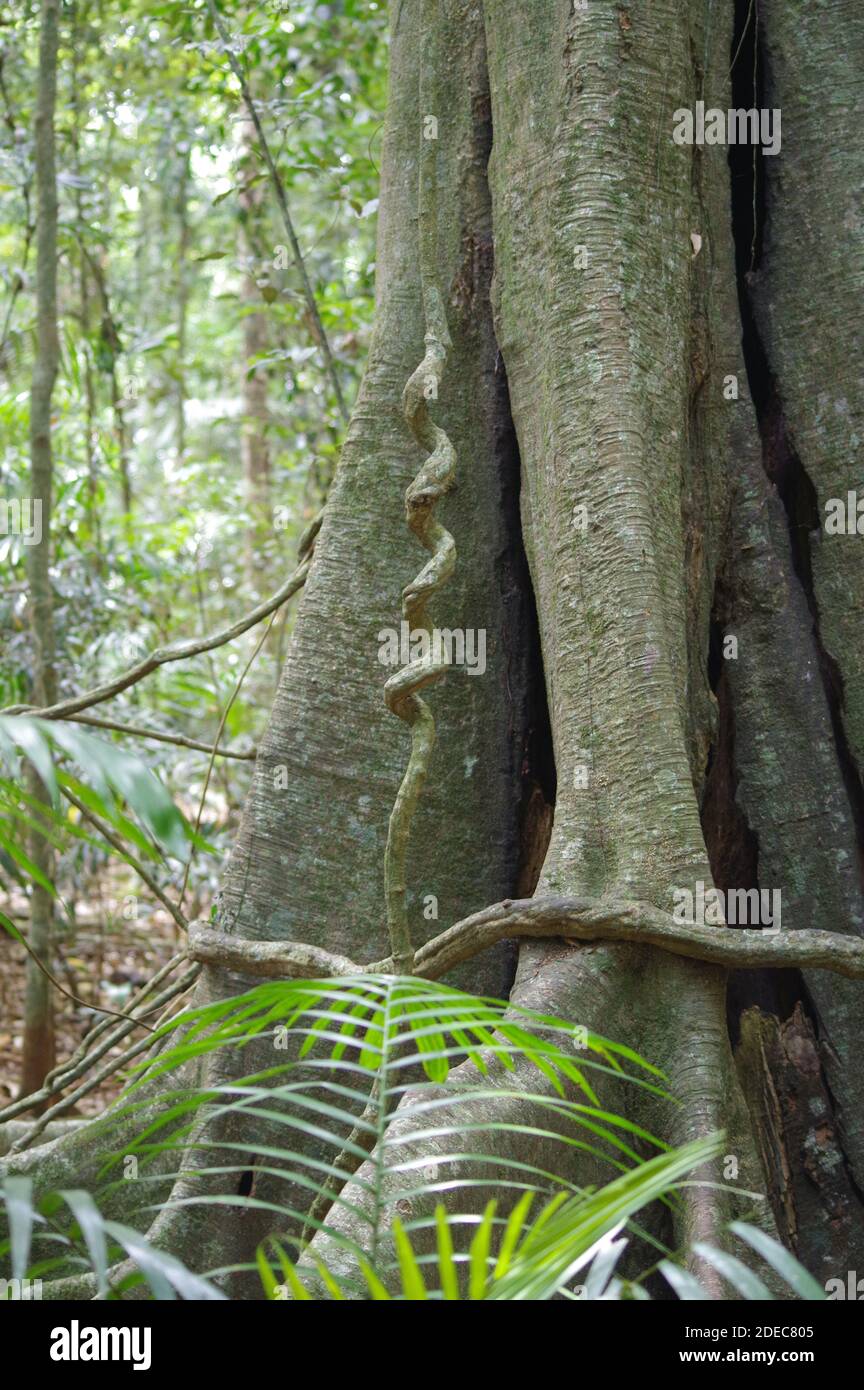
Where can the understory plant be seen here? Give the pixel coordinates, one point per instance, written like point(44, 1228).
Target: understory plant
point(409, 1191)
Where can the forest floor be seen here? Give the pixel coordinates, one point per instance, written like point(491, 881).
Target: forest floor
point(101, 961)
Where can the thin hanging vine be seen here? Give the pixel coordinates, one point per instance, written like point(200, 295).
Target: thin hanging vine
point(433, 480)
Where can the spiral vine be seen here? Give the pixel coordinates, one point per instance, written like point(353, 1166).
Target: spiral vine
point(433, 480)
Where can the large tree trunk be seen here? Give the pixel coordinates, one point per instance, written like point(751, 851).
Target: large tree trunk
point(616, 345)
point(588, 266)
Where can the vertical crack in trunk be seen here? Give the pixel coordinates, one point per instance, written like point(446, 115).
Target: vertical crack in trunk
point(523, 663)
point(732, 843)
point(529, 729)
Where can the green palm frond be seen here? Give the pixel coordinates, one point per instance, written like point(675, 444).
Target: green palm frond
point(358, 1047)
point(377, 1016)
point(539, 1261)
point(358, 1112)
point(368, 1078)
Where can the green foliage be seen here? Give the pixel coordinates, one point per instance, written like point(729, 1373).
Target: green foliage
point(85, 1241)
point(116, 782)
point(570, 1239)
point(357, 1049)
point(115, 776)
point(154, 291)
point(367, 1062)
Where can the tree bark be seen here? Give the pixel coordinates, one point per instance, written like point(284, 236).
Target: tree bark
point(616, 372)
point(38, 1042)
point(254, 449)
point(182, 274)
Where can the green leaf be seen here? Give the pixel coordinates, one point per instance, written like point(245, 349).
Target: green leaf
point(133, 781)
point(478, 1254)
point(376, 1288)
point(412, 1280)
point(166, 1276)
point(329, 1282)
point(683, 1282)
point(27, 734)
point(781, 1260)
point(512, 1231)
point(558, 1246)
point(22, 860)
point(18, 1194)
point(742, 1279)
point(89, 1218)
point(10, 927)
point(95, 803)
point(269, 1282)
point(299, 1291)
point(108, 767)
point(446, 1262)
point(603, 1264)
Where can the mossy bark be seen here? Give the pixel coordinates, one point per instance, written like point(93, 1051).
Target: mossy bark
point(806, 294)
point(616, 315)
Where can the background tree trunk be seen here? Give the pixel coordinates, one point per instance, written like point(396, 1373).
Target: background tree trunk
point(38, 1043)
point(254, 449)
point(182, 292)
